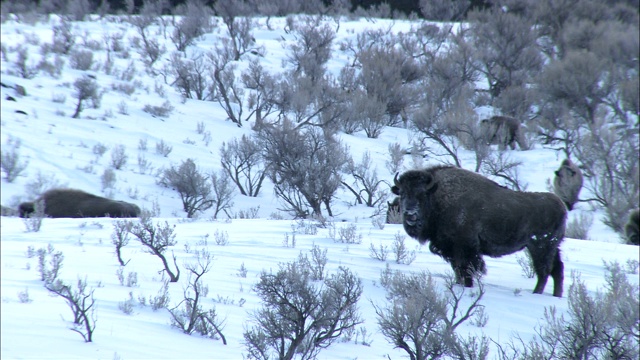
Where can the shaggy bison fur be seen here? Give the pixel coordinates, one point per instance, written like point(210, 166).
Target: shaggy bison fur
point(503, 130)
point(567, 183)
point(465, 216)
point(631, 228)
point(70, 203)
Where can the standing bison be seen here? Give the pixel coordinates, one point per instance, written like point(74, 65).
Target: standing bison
point(465, 215)
point(70, 203)
point(503, 130)
point(567, 183)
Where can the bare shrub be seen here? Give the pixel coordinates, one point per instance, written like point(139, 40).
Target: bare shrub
point(33, 221)
point(347, 235)
point(126, 306)
point(500, 166)
point(10, 163)
point(400, 251)
point(81, 302)
point(366, 185)
point(194, 188)
point(578, 227)
point(421, 319)
point(24, 68)
point(163, 110)
point(195, 22)
point(380, 253)
point(120, 238)
point(81, 60)
point(603, 325)
point(108, 180)
point(304, 165)
point(157, 239)
point(526, 265)
point(87, 89)
point(223, 193)
point(162, 148)
point(49, 271)
point(322, 314)
point(63, 38)
point(242, 161)
point(396, 158)
point(238, 25)
point(119, 157)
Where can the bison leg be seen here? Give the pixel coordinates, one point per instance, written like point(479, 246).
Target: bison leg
point(546, 261)
point(557, 273)
point(468, 267)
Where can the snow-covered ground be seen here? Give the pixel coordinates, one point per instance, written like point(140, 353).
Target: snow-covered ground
point(60, 149)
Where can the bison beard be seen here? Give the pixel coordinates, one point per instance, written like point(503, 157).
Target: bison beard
point(465, 216)
point(63, 203)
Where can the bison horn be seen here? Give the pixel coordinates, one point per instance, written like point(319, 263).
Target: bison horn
point(395, 180)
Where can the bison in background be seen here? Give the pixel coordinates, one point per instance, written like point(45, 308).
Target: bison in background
point(465, 216)
point(503, 130)
point(70, 203)
point(568, 182)
point(631, 228)
point(393, 212)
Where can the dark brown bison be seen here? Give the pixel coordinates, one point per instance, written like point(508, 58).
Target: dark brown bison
point(631, 228)
point(393, 212)
point(567, 183)
point(503, 130)
point(465, 215)
point(70, 203)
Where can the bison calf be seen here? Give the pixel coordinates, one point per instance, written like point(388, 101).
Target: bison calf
point(465, 216)
point(567, 183)
point(70, 203)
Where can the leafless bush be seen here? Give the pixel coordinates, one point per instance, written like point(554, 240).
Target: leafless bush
point(24, 68)
point(163, 110)
point(195, 22)
point(380, 253)
point(119, 157)
point(33, 221)
point(223, 193)
point(63, 38)
point(526, 265)
point(234, 14)
point(242, 161)
point(221, 237)
point(578, 227)
point(499, 165)
point(81, 303)
point(194, 188)
point(49, 272)
point(322, 315)
point(162, 148)
point(157, 239)
point(108, 180)
point(161, 300)
point(309, 183)
point(120, 238)
point(400, 251)
point(603, 325)
point(126, 306)
point(421, 319)
point(81, 59)
point(396, 158)
point(87, 89)
point(10, 163)
point(366, 185)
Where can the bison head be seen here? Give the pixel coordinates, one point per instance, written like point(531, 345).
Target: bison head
point(414, 189)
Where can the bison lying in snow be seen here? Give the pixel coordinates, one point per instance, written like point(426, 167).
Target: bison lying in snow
point(62, 203)
point(465, 215)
